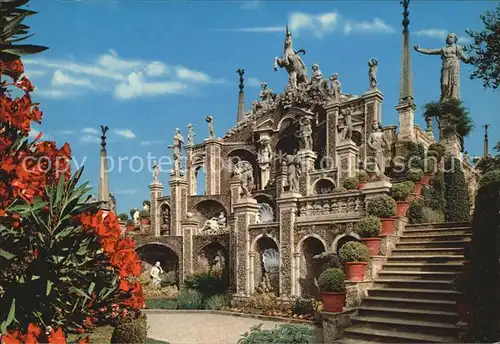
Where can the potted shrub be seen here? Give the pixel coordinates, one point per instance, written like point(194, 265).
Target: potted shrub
point(463, 301)
point(368, 229)
point(130, 225)
point(331, 284)
point(416, 175)
point(123, 217)
point(355, 256)
point(383, 207)
point(400, 193)
point(362, 178)
point(351, 183)
point(144, 216)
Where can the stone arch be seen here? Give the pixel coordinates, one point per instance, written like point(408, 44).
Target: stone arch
point(287, 118)
point(151, 253)
point(357, 137)
point(342, 239)
point(258, 278)
point(308, 269)
point(199, 184)
point(207, 209)
point(324, 186)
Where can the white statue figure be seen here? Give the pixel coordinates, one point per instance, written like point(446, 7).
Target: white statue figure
point(293, 172)
point(317, 80)
point(155, 272)
point(211, 131)
point(211, 226)
point(219, 262)
point(266, 94)
point(191, 134)
point(135, 217)
point(451, 55)
point(265, 154)
point(372, 72)
point(305, 133)
point(378, 144)
point(221, 220)
point(145, 206)
point(156, 172)
point(177, 151)
point(291, 61)
point(336, 87)
point(112, 202)
point(266, 213)
point(244, 171)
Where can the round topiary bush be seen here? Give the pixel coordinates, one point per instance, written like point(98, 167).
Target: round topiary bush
point(123, 217)
point(143, 214)
point(332, 280)
point(401, 191)
point(415, 175)
point(368, 227)
point(351, 183)
point(362, 176)
point(354, 251)
point(382, 207)
point(130, 331)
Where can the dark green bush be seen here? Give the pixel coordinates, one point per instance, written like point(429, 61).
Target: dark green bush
point(351, 183)
point(416, 213)
point(415, 155)
point(207, 283)
point(332, 280)
point(368, 227)
point(401, 191)
point(168, 279)
point(456, 192)
point(362, 176)
point(284, 334)
point(430, 164)
point(433, 216)
point(434, 193)
point(414, 175)
point(132, 331)
point(123, 217)
point(190, 299)
point(382, 206)
point(143, 214)
point(354, 251)
point(339, 189)
point(436, 150)
point(302, 306)
point(216, 302)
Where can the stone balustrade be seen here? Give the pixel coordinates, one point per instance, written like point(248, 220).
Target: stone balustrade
point(349, 204)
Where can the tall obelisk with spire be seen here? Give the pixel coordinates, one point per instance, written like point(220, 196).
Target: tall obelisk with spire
point(241, 96)
point(103, 173)
point(406, 105)
point(486, 148)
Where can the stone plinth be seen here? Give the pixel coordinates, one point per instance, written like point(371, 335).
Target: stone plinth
point(307, 159)
point(234, 186)
point(213, 164)
point(373, 108)
point(189, 228)
point(376, 188)
point(356, 292)
point(178, 203)
point(451, 143)
point(406, 113)
point(347, 153)
point(155, 191)
point(375, 265)
point(335, 323)
point(245, 212)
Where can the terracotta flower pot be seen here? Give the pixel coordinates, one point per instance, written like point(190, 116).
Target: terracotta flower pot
point(373, 245)
point(464, 308)
point(130, 227)
point(387, 226)
point(418, 187)
point(145, 221)
point(361, 185)
point(427, 178)
point(402, 208)
point(333, 302)
point(355, 271)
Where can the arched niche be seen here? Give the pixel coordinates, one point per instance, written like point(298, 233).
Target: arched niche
point(309, 267)
point(214, 258)
point(267, 208)
point(151, 253)
point(165, 219)
point(238, 155)
point(207, 209)
point(261, 280)
point(324, 186)
point(200, 181)
point(341, 240)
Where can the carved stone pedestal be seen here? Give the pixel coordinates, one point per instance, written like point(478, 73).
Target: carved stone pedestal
point(307, 160)
point(178, 203)
point(376, 188)
point(451, 143)
point(189, 228)
point(156, 191)
point(347, 153)
point(356, 292)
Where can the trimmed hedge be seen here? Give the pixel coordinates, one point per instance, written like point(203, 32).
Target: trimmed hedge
point(130, 331)
point(456, 192)
point(416, 213)
point(354, 251)
point(351, 183)
point(332, 280)
point(382, 206)
point(401, 191)
point(368, 227)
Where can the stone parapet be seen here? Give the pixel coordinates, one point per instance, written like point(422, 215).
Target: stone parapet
point(335, 323)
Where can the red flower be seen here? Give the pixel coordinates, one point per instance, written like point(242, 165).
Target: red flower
point(13, 337)
point(57, 337)
point(85, 340)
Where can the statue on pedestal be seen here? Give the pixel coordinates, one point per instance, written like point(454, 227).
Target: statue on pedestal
point(347, 135)
point(177, 151)
point(291, 61)
point(335, 87)
point(135, 217)
point(372, 72)
point(219, 262)
point(378, 144)
point(191, 134)
point(155, 272)
point(317, 81)
point(156, 172)
point(244, 171)
point(451, 55)
point(112, 202)
point(211, 131)
point(305, 133)
point(264, 155)
point(293, 172)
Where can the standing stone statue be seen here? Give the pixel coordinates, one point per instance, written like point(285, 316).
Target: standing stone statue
point(291, 61)
point(244, 171)
point(155, 272)
point(335, 87)
point(211, 131)
point(264, 155)
point(451, 55)
point(191, 134)
point(305, 133)
point(347, 136)
point(372, 72)
point(293, 172)
point(156, 172)
point(177, 151)
point(135, 217)
point(378, 143)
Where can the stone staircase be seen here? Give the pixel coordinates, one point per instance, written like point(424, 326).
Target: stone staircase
point(413, 299)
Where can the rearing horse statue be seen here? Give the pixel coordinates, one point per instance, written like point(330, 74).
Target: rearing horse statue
point(291, 61)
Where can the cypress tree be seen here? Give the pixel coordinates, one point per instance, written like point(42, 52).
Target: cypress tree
point(456, 194)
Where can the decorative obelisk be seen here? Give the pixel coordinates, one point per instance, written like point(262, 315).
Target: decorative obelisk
point(486, 148)
point(406, 106)
point(103, 174)
point(241, 96)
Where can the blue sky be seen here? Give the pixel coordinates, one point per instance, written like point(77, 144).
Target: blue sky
point(144, 68)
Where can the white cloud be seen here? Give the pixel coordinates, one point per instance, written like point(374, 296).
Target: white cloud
point(126, 191)
point(52, 93)
point(377, 25)
point(126, 133)
point(65, 132)
point(440, 34)
point(90, 139)
point(34, 73)
point(184, 73)
point(61, 79)
point(137, 86)
point(156, 68)
point(316, 24)
point(253, 82)
point(150, 143)
point(257, 29)
point(251, 4)
point(91, 131)
point(112, 61)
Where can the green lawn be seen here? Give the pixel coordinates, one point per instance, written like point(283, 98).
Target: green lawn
point(102, 335)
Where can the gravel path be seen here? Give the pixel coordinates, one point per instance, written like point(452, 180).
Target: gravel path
point(200, 328)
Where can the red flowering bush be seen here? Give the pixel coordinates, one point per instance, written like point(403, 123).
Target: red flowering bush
point(64, 265)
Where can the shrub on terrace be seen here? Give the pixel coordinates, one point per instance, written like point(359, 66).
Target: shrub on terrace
point(354, 251)
point(368, 227)
point(382, 207)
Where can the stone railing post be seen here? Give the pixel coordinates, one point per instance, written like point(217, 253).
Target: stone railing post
point(214, 165)
point(347, 153)
point(189, 227)
point(156, 191)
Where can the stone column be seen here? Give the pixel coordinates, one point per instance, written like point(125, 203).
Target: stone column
point(296, 281)
point(287, 207)
point(178, 203)
point(406, 113)
point(234, 185)
point(190, 172)
point(332, 115)
point(251, 272)
point(189, 227)
point(307, 159)
point(347, 153)
point(214, 166)
point(373, 113)
point(156, 191)
point(246, 214)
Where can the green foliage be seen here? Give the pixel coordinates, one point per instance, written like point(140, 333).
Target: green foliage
point(434, 193)
point(168, 279)
point(485, 52)
point(158, 303)
point(401, 191)
point(362, 176)
point(485, 253)
point(144, 214)
point(284, 334)
point(368, 227)
point(416, 212)
point(433, 216)
point(123, 217)
point(351, 183)
point(437, 150)
point(415, 155)
point(303, 306)
point(130, 331)
point(332, 280)
point(354, 251)
point(207, 283)
point(190, 299)
point(456, 192)
point(452, 115)
point(339, 189)
point(216, 302)
point(382, 206)
point(414, 175)
point(431, 164)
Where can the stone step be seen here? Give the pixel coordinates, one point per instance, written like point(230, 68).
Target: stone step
point(413, 293)
point(440, 251)
point(400, 325)
point(431, 243)
point(426, 258)
point(419, 232)
point(409, 314)
point(421, 304)
point(359, 334)
point(413, 284)
point(438, 225)
point(424, 266)
point(435, 236)
point(417, 275)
